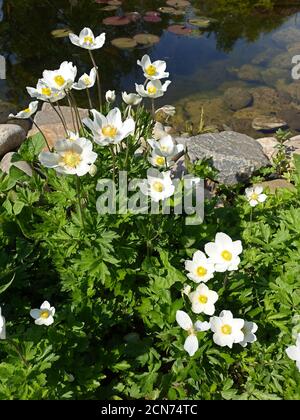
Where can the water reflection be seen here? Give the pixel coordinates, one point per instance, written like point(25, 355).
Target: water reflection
point(203, 65)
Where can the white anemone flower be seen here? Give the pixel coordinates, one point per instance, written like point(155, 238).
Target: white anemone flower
point(169, 110)
point(203, 300)
point(254, 195)
point(43, 92)
point(155, 70)
point(71, 157)
point(200, 268)
point(154, 89)
point(72, 136)
point(227, 330)
point(191, 344)
point(110, 129)
point(224, 252)
point(110, 96)
point(61, 79)
point(160, 131)
point(86, 81)
point(249, 329)
point(131, 99)
point(87, 39)
point(44, 315)
point(166, 146)
point(2, 327)
point(158, 187)
point(293, 352)
point(159, 161)
point(28, 112)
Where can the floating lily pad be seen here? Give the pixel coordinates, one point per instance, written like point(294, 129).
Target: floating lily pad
point(61, 33)
point(146, 39)
point(133, 16)
point(101, 1)
point(179, 30)
point(114, 2)
point(178, 3)
point(124, 43)
point(116, 20)
point(152, 18)
point(152, 13)
point(109, 8)
point(201, 22)
point(171, 11)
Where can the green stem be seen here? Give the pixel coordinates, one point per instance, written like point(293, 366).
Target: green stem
point(89, 98)
point(114, 161)
point(78, 188)
point(38, 128)
point(98, 80)
point(153, 108)
point(60, 117)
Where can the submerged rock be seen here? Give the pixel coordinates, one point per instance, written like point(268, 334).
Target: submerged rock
point(268, 124)
point(237, 98)
point(286, 36)
point(235, 155)
point(11, 137)
point(249, 73)
point(292, 117)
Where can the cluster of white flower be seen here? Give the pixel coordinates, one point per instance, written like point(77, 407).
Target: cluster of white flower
point(222, 255)
point(293, 352)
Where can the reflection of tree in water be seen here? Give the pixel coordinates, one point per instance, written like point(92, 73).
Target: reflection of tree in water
point(25, 33)
point(246, 19)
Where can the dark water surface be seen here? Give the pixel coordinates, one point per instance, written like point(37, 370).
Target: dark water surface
point(262, 35)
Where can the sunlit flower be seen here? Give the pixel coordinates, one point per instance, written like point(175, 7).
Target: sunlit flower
point(86, 81)
point(224, 252)
point(87, 39)
point(249, 329)
point(254, 195)
point(200, 268)
point(73, 157)
point(28, 112)
point(293, 352)
point(110, 129)
point(186, 289)
point(166, 146)
point(160, 131)
point(227, 330)
point(72, 136)
point(43, 92)
point(155, 70)
point(154, 89)
point(61, 79)
point(160, 161)
point(191, 343)
point(202, 326)
point(131, 99)
point(2, 327)
point(169, 110)
point(158, 187)
point(110, 96)
point(44, 315)
point(203, 300)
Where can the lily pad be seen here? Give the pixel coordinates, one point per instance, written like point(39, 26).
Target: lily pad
point(133, 16)
point(146, 39)
point(124, 43)
point(152, 18)
point(116, 20)
point(171, 11)
point(180, 30)
point(114, 2)
point(178, 3)
point(152, 13)
point(61, 33)
point(201, 22)
point(109, 8)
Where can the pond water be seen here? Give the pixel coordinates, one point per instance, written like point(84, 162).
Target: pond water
point(246, 44)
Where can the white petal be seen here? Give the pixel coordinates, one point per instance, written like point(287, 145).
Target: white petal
point(35, 313)
point(293, 353)
point(45, 305)
point(183, 320)
point(202, 326)
point(191, 345)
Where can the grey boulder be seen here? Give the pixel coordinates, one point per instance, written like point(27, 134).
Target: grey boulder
point(11, 137)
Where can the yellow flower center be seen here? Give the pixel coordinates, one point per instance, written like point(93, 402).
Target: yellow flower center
point(160, 160)
point(109, 131)
point(226, 329)
point(226, 255)
point(71, 159)
point(254, 196)
point(88, 40)
point(46, 91)
point(44, 314)
point(59, 80)
point(27, 110)
point(202, 299)
point(151, 90)
point(201, 271)
point(158, 186)
point(151, 70)
point(87, 80)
